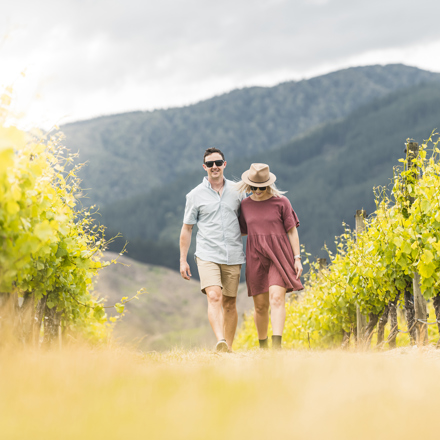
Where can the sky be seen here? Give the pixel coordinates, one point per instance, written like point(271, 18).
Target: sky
point(83, 59)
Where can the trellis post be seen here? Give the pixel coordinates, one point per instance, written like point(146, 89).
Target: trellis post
point(420, 308)
point(360, 318)
point(322, 264)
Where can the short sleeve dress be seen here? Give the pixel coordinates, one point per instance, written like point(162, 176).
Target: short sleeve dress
point(269, 255)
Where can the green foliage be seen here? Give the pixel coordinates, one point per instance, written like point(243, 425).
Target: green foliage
point(47, 246)
point(371, 267)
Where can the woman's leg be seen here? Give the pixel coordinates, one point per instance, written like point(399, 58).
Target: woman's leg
point(277, 295)
point(261, 314)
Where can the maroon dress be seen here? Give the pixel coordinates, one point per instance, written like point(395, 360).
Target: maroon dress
point(269, 255)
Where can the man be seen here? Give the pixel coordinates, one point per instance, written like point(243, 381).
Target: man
point(214, 206)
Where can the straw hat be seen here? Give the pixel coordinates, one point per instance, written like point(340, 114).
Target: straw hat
point(258, 175)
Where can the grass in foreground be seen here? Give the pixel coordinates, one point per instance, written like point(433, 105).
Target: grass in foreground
point(120, 394)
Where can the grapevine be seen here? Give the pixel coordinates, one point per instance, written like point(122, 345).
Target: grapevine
point(50, 247)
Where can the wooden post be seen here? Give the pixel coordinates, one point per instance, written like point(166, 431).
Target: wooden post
point(410, 313)
point(60, 336)
point(421, 311)
point(26, 316)
point(52, 320)
point(394, 328)
point(412, 151)
point(322, 263)
point(420, 308)
point(38, 318)
point(436, 304)
point(360, 318)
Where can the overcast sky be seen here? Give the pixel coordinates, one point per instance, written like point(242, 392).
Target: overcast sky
point(89, 58)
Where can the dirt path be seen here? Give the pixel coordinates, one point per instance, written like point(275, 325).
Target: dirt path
point(118, 393)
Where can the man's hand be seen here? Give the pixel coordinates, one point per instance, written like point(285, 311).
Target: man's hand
point(185, 271)
point(298, 268)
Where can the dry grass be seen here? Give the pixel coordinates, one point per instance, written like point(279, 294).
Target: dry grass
point(120, 394)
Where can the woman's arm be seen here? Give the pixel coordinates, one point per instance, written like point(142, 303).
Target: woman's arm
point(294, 242)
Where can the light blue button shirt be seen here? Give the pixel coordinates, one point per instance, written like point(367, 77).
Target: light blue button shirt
point(218, 236)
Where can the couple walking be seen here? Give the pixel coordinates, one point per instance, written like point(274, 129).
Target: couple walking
point(223, 214)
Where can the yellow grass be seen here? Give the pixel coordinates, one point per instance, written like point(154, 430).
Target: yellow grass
point(120, 394)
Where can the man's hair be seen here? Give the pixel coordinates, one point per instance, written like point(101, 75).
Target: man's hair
point(211, 151)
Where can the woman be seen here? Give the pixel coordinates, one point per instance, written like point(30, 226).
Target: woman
point(273, 260)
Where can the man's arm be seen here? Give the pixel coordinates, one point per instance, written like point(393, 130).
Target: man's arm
point(185, 241)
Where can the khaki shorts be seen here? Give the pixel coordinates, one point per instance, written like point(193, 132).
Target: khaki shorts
point(223, 275)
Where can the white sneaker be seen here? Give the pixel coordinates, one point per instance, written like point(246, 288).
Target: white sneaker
point(222, 346)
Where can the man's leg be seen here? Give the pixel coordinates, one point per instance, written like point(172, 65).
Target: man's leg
point(230, 318)
point(261, 314)
point(215, 310)
point(230, 281)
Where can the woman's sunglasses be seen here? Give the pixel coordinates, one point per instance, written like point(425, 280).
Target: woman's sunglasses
point(218, 163)
point(261, 188)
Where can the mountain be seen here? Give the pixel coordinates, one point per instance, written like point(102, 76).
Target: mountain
point(132, 153)
point(329, 173)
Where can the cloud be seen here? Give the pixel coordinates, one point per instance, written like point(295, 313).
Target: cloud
point(89, 58)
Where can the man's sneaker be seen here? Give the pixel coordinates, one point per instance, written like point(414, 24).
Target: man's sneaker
point(222, 346)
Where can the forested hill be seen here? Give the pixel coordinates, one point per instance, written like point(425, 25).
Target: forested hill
point(329, 173)
point(132, 153)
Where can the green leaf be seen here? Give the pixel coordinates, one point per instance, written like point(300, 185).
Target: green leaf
point(6, 158)
point(428, 282)
point(61, 252)
point(402, 261)
point(12, 207)
point(81, 263)
point(425, 206)
point(400, 283)
point(406, 247)
point(119, 307)
point(98, 312)
point(427, 256)
point(426, 270)
point(398, 241)
point(44, 231)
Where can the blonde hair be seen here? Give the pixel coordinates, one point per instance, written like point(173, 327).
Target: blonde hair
point(243, 187)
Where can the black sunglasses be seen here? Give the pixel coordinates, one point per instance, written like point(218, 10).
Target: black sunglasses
point(218, 163)
point(262, 188)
